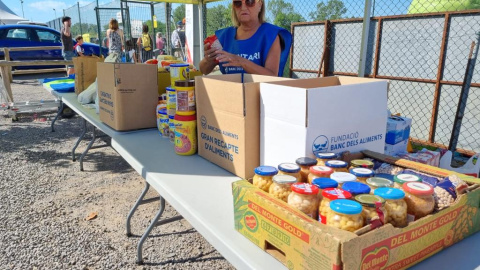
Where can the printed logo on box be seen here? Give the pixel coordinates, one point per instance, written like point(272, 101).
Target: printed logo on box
point(320, 144)
point(251, 221)
point(203, 121)
point(376, 259)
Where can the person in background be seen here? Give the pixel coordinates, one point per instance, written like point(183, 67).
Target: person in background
point(78, 47)
point(160, 42)
point(67, 43)
point(145, 42)
point(115, 40)
point(178, 40)
point(130, 48)
point(251, 45)
point(105, 42)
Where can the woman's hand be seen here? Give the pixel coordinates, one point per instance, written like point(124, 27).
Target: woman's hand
point(209, 54)
point(230, 60)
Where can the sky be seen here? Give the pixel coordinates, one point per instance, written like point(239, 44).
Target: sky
point(43, 10)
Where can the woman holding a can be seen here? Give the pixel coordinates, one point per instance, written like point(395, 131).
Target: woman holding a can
point(250, 46)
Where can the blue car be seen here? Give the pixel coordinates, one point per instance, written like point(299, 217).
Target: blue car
point(16, 35)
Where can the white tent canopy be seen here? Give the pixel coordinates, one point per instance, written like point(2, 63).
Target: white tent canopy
point(7, 16)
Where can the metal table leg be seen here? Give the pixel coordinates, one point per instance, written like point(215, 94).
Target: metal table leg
point(60, 110)
point(94, 137)
point(134, 208)
point(79, 138)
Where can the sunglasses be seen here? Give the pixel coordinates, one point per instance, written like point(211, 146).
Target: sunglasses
point(248, 3)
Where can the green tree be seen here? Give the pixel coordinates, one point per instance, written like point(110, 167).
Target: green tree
point(430, 6)
point(283, 13)
point(333, 9)
point(178, 13)
point(218, 17)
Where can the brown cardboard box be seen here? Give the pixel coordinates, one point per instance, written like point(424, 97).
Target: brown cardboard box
point(85, 71)
point(127, 95)
point(228, 112)
point(164, 79)
point(300, 242)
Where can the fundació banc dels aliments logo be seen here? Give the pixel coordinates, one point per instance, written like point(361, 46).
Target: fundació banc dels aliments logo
point(203, 122)
point(320, 145)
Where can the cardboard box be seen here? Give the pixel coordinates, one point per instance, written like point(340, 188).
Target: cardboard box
point(333, 114)
point(398, 129)
point(128, 95)
point(396, 149)
point(300, 242)
point(85, 71)
point(163, 79)
point(228, 112)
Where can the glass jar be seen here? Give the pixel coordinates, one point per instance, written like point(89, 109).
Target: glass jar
point(304, 198)
point(337, 165)
point(324, 157)
point(361, 163)
point(263, 177)
point(345, 215)
point(374, 211)
point(319, 172)
point(419, 199)
point(324, 183)
point(395, 205)
point(400, 179)
point(356, 188)
point(305, 163)
point(342, 177)
point(282, 186)
point(291, 169)
point(378, 182)
point(362, 174)
point(330, 194)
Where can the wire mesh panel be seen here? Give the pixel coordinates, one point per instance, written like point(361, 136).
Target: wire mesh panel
point(89, 23)
point(73, 13)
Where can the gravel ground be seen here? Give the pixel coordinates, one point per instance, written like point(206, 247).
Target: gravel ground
point(45, 199)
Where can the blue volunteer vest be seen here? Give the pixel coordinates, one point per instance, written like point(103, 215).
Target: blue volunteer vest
point(255, 48)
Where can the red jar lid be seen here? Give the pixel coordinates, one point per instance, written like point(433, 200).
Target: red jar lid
point(336, 193)
point(321, 170)
point(185, 118)
point(418, 188)
point(304, 188)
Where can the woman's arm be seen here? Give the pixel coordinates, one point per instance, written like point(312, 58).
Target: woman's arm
point(271, 64)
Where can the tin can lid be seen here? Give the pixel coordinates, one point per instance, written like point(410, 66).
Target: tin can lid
point(304, 188)
point(306, 161)
point(326, 155)
point(321, 170)
point(347, 207)
point(418, 188)
point(266, 170)
point(284, 179)
point(324, 183)
point(185, 118)
point(361, 172)
point(336, 193)
point(180, 65)
point(185, 83)
point(390, 193)
point(369, 200)
point(336, 164)
point(356, 188)
point(361, 163)
point(378, 182)
point(289, 167)
point(170, 89)
point(405, 177)
point(342, 177)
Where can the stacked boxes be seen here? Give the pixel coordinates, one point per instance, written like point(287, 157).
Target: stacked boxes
point(398, 131)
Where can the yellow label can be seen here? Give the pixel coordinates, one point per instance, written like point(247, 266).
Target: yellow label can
point(185, 97)
point(179, 72)
point(185, 134)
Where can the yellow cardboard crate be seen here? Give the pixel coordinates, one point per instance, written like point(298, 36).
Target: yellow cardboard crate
point(300, 242)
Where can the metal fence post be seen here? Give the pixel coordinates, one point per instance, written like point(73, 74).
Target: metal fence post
point(99, 28)
point(365, 33)
point(153, 26)
point(168, 25)
point(79, 18)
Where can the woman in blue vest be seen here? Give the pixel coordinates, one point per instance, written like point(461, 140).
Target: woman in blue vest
point(251, 45)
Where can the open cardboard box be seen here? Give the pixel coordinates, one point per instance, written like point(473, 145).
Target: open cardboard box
point(300, 242)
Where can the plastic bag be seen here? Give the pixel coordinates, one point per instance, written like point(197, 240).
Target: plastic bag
point(88, 96)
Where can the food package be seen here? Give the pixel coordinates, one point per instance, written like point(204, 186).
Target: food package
point(424, 156)
point(388, 169)
point(447, 190)
point(426, 178)
point(214, 43)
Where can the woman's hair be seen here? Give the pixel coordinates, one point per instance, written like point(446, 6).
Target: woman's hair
point(261, 14)
point(159, 34)
point(145, 28)
point(79, 37)
point(113, 24)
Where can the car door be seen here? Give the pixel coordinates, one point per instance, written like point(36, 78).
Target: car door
point(19, 37)
point(43, 38)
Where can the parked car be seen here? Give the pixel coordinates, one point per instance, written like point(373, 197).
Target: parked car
point(32, 23)
point(18, 35)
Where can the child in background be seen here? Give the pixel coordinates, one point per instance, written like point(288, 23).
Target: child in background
point(130, 49)
point(78, 47)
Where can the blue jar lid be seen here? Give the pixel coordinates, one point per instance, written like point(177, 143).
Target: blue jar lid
point(266, 171)
point(162, 111)
point(289, 167)
point(170, 89)
point(356, 188)
point(179, 65)
point(390, 193)
point(336, 164)
point(385, 175)
point(306, 161)
point(171, 117)
point(347, 207)
point(326, 155)
point(323, 183)
point(361, 172)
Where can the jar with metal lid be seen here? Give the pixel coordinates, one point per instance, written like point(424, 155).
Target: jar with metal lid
point(281, 186)
point(304, 198)
point(395, 205)
point(361, 163)
point(324, 183)
point(263, 177)
point(330, 194)
point(362, 174)
point(345, 215)
point(400, 179)
point(374, 211)
point(378, 182)
point(337, 165)
point(342, 177)
point(305, 163)
point(324, 157)
point(356, 188)
point(291, 169)
point(319, 172)
point(419, 199)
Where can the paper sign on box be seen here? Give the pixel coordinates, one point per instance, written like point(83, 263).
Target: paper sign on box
point(333, 114)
